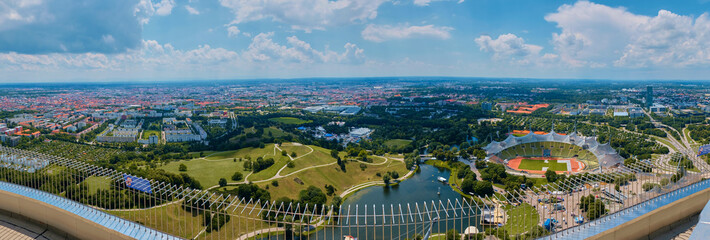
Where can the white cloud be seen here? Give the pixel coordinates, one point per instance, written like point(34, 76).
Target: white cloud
point(17, 12)
point(510, 47)
point(192, 10)
point(264, 49)
point(164, 7)
point(380, 33)
point(304, 14)
point(669, 40)
point(143, 10)
point(596, 35)
point(38, 26)
point(233, 31)
point(151, 54)
point(422, 2)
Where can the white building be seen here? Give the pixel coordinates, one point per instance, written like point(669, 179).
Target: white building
point(360, 132)
point(218, 122)
point(658, 108)
point(181, 136)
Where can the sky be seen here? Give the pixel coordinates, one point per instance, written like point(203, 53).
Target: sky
point(162, 40)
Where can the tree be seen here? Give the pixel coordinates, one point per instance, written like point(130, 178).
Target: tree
point(452, 234)
point(362, 155)
point(222, 182)
point(482, 188)
point(284, 153)
point(596, 210)
point(293, 154)
point(182, 167)
point(386, 178)
point(394, 174)
point(334, 153)
point(247, 165)
point(550, 175)
point(417, 236)
point(467, 185)
point(312, 196)
point(237, 176)
point(337, 200)
point(275, 183)
point(329, 189)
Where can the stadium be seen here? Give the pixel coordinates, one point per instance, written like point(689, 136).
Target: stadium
point(536, 152)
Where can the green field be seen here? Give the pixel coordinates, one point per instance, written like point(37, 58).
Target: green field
point(289, 120)
point(332, 175)
point(397, 143)
point(319, 156)
point(208, 172)
point(216, 165)
point(275, 132)
point(254, 153)
point(521, 218)
point(95, 183)
point(530, 164)
point(148, 133)
point(171, 219)
point(299, 149)
point(279, 162)
point(270, 132)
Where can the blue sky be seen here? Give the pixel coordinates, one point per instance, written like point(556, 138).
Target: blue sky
point(155, 40)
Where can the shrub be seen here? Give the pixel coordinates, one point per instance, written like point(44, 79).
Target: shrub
point(222, 182)
point(237, 176)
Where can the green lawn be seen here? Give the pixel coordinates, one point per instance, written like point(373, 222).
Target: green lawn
point(53, 170)
point(319, 156)
point(95, 183)
point(397, 143)
point(218, 165)
point(254, 153)
point(279, 162)
point(300, 150)
point(168, 220)
point(275, 132)
point(521, 218)
point(289, 120)
point(197, 154)
point(530, 164)
point(331, 175)
point(148, 133)
point(208, 172)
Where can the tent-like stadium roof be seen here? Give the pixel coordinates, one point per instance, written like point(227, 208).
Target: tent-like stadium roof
point(606, 155)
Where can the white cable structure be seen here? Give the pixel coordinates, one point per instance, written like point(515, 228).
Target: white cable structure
point(149, 209)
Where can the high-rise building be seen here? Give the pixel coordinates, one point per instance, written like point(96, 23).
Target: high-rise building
point(649, 96)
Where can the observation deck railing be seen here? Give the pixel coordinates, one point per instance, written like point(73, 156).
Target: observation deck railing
point(149, 209)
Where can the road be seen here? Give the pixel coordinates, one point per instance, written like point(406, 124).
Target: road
point(684, 147)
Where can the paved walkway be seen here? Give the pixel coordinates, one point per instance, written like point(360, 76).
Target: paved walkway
point(13, 228)
point(128, 228)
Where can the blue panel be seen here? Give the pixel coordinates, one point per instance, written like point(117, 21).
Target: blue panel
point(705, 149)
point(138, 183)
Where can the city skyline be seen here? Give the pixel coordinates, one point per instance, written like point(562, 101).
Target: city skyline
point(207, 40)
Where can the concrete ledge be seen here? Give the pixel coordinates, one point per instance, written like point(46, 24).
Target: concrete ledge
point(74, 226)
point(660, 220)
